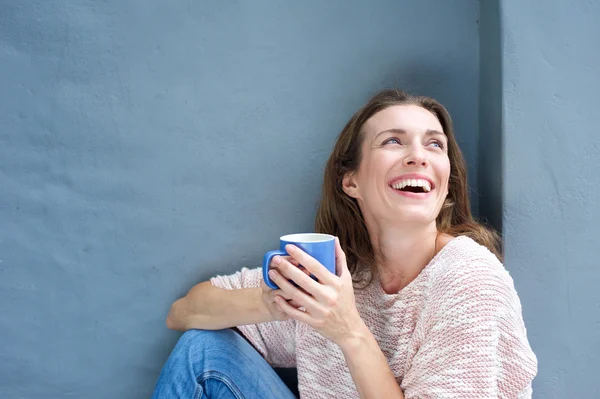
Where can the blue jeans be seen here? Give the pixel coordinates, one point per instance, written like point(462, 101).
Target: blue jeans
point(217, 364)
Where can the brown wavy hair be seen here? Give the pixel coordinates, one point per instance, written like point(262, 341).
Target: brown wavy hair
point(339, 214)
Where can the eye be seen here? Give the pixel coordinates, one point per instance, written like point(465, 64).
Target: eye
point(436, 144)
point(392, 140)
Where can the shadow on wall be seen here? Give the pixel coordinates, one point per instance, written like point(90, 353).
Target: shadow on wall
point(490, 151)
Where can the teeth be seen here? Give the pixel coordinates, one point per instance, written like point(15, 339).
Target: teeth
point(413, 183)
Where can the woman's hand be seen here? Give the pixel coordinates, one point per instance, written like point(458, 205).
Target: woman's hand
point(329, 305)
point(269, 294)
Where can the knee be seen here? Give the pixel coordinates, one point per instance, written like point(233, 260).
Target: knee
point(197, 340)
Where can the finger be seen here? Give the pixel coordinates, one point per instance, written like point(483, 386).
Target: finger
point(298, 296)
point(294, 304)
point(297, 314)
point(292, 261)
point(281, 293)
point(317, 269)
point(276, 259)
point(272, 293)
point(301, 278)
point(285, 296)
point(290, 301)
point(274, 264)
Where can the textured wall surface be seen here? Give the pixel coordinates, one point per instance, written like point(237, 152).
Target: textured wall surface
point(552, 185)
point(145, 146)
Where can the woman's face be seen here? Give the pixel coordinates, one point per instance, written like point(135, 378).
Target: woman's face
point(404, 171)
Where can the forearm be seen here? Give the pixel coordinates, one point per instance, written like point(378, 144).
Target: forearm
point(208, 307)
point(369, 367)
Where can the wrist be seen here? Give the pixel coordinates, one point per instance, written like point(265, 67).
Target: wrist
point(260, 305)
point(357, 337)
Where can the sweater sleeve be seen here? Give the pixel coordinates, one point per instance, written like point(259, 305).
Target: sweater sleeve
point(475, 343)
point(275, 341)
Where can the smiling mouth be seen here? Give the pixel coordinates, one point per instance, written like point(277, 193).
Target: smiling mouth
point(412, 186)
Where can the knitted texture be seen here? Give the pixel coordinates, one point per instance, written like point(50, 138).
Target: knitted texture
point(456, 331)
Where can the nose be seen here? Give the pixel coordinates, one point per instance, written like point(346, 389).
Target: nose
point(416, 157)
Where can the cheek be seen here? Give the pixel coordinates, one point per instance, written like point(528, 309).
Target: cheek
point(444, 174)
point(374, 168)
point(447, 177)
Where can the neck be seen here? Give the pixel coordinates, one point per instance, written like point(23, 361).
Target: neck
point(402, 252)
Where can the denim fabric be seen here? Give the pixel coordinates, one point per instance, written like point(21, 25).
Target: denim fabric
point(217, 364)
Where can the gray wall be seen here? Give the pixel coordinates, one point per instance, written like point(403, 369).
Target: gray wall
point(490, 149)
point(146, 146)
point(551, 60)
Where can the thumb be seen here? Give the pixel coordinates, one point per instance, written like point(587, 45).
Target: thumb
point(340, 259)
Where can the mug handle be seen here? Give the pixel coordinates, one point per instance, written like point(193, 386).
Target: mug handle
point(265, 267)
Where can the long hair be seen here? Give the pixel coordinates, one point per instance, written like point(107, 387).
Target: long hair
point(339, 214)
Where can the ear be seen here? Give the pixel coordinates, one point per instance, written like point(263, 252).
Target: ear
point(349, 185)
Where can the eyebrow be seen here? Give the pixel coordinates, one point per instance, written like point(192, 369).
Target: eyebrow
point(428, 132)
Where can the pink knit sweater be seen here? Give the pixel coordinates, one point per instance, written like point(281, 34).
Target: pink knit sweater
point(456, 331)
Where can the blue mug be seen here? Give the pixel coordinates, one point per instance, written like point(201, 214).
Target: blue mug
point(319, 246)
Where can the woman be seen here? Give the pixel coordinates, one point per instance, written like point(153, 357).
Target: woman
point(421, 306)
